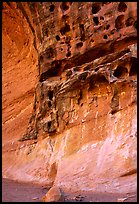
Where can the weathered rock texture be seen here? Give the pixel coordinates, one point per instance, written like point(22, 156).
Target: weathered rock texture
point(69, 94)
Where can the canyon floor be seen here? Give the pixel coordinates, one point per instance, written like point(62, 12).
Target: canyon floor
point(13, 191)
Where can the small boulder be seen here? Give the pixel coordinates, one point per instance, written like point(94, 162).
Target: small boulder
point(53, 195)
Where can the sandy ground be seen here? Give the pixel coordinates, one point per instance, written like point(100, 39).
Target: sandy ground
point(13, 191)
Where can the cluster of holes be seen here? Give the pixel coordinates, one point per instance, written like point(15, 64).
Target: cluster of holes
point(92, 41)
point(52, 7)
point(120, 72)
point(101, 18)
point(122, 7)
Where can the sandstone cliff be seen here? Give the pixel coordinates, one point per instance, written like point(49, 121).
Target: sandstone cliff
point(69, 81)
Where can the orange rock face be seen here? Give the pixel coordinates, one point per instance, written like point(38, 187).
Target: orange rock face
point(69, 94)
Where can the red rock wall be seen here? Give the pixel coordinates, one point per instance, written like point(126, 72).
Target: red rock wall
point(82, 131)
point(19, 72)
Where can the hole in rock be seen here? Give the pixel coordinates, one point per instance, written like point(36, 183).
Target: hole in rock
point(120, 71)
point(79, 45)
point(114, 111)
point(80, 97)
point(49, 124)
point(64, 6)
point(119, 22)
point(83, 76)
point(105, 36)
point(41, 58)
point(68, 54)
point(112, 31)
point(52, 7)
point(107, 27)
point(76, 69)
point(65, 29)
point(122, 7)
point(100, 79)
point(50, 53)
point(67, 40)
point(49, 104)
point(96, 21)
point(101, 18)
point(135, 24)
point(92, 41)
point(53, 71)
point(91, 83)
point(133, 69)
point(50, 94)
point(57, 37)
point(96, 69)
point(65, 17)
point(69, 73)
point(129, 21)
point(95, 8)
point(82, 32)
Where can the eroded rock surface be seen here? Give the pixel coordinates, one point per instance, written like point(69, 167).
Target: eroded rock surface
point(79, 92)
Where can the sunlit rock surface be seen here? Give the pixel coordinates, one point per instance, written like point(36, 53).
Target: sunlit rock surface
point(69, 82)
